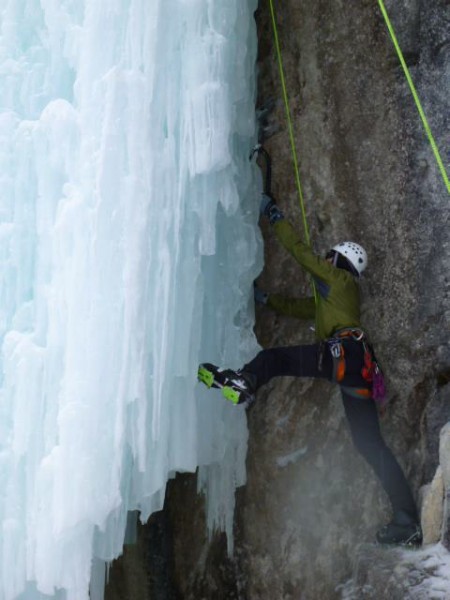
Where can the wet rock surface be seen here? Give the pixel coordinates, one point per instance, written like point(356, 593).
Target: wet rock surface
point(306, 519)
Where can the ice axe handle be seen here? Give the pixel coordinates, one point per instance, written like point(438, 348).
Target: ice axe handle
point(260, 150)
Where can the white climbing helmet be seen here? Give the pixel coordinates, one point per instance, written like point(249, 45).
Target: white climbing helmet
point(354, 253)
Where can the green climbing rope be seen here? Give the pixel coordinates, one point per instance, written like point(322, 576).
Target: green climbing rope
point(415, 96)
point(289, 122)
point(291, 137)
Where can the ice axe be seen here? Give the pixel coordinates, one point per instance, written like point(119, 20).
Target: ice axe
point(260, 150)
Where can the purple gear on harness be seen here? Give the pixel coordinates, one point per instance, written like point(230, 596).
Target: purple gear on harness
point(378, 386)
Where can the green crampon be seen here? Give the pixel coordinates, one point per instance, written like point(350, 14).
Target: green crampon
point(231, 394)
point(205, 377)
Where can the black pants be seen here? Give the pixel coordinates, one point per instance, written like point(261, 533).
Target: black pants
point(362, 415)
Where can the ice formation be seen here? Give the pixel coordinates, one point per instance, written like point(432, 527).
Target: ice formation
point(128, 247)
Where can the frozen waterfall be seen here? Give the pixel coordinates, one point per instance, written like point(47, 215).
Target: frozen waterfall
point(128, 247)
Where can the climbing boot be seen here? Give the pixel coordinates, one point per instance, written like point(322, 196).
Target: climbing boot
point(236, 386)
point(402, 530)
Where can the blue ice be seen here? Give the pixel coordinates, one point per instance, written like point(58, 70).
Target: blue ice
point(128, 247)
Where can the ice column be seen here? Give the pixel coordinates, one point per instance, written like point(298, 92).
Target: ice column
point(128, 247)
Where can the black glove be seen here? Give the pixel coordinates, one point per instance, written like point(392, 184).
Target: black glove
point(269, 209)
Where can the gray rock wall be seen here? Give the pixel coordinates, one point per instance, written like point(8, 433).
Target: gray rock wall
point(368, 174)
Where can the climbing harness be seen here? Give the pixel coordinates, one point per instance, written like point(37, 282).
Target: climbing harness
point(415, 96)
point(371, 371)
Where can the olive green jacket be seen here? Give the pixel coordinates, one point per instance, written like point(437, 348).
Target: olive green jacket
point(338, 303)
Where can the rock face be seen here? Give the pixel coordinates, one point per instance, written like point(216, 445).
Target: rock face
point(444, 453)
point(432, 512)
point(368, 174)
point(306, 519)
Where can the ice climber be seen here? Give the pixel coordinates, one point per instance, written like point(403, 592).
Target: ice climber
point(342, 355)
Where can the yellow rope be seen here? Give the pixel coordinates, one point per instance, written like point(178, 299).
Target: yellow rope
point(415, 96)
point(289, 122)
point(291, 137)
